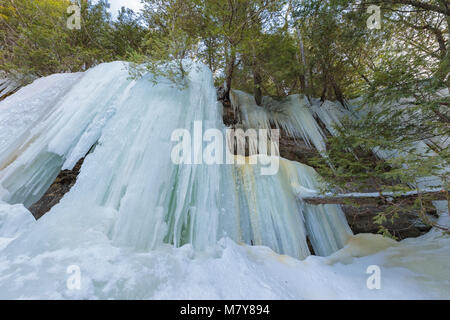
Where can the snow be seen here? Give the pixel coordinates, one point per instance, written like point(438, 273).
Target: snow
point(305, 193)
point(14, 221)
point(138, 226)
point(414, 269)
point(410, 269)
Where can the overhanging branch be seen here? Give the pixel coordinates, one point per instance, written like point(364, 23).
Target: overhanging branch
point(415, 3)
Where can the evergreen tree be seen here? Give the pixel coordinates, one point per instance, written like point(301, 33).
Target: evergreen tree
point(404, 113)
point(35, 40)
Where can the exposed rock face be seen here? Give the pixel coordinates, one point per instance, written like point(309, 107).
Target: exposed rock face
point(63, 183)
point(296, 150)
point(405, 226)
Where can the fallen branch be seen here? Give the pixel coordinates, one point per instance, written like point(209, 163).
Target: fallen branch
point(375, 198)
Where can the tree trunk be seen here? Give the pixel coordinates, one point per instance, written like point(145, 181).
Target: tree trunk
point(257, 92)
point(229, 74)
point(338, 92)
point(303, 57)
point(323, 96)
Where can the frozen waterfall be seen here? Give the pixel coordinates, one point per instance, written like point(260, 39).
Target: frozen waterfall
point(139, 226)
point(128, 187)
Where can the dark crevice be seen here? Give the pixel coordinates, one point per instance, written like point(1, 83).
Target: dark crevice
point(62, 185)
point(406, 225)
point(310, 246)
point(4, 96)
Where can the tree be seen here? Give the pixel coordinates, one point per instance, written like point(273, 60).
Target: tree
point(33, 37)
point(404, 117)
point(127, 34)
point(35, 40)
point(223, 34)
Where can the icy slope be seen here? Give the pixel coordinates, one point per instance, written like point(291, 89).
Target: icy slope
point(137, 225)
point(412, 269)
point(65, 120)
point(129, 188)
point(20, 113)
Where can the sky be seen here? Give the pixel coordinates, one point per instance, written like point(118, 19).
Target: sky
point(117, 4)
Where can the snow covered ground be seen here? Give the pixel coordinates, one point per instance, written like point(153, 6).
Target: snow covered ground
point(411, 269)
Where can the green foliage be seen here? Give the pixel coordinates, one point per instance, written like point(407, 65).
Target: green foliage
point(31, 34)
point(126, 34)
point(35, 40)
point(405, 68)
point(227, 36)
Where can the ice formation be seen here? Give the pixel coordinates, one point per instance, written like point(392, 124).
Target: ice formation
point(147, 198)
point(139, 226)
point(292, 114)
point(7, 86)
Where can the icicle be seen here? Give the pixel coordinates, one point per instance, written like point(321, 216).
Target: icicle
point(291, 114)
